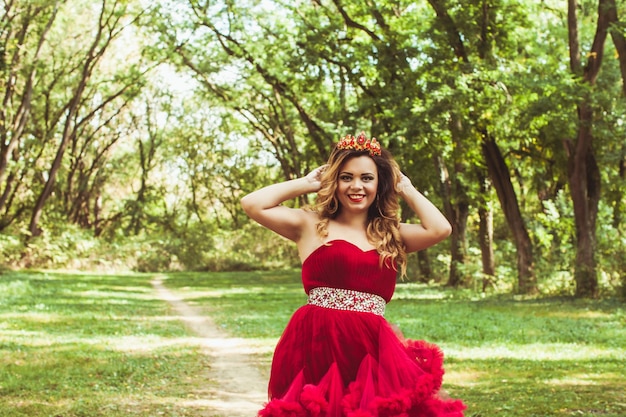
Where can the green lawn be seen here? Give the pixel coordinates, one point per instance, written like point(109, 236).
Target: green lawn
point(103, 345)
point(93, 345)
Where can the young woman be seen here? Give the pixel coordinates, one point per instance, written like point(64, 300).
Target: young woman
point(338, 356)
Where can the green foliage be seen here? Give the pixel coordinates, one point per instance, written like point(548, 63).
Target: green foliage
point(60, 247)
point(10, 249)
point(242, 94)
point(197, 247)
point(611, 247)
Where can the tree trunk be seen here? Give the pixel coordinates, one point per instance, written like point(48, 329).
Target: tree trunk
point(457, 215)
point(583, 172)
point(485, 233)
point(52, 173)
point(458, 245)
point(584, 180)
point(499, 174)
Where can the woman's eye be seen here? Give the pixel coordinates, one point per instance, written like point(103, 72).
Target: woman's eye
point(345, 178)
point(368, 178)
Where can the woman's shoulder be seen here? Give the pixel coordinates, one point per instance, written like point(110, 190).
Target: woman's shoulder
point(310, 215)
point(309, 238)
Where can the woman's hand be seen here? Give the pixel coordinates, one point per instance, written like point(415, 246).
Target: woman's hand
point(433, 226)
point(315, 176)
point(404, 184)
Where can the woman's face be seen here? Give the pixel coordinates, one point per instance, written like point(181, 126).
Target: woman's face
point(357, 184)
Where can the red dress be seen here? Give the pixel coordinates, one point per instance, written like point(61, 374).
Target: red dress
point(333, 362)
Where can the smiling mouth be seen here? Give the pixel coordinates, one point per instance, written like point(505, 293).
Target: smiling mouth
point(356, 197)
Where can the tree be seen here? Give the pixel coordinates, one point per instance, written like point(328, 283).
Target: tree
point(84, 105)
point(23, 36)
point(492, 156)
point(583, 171)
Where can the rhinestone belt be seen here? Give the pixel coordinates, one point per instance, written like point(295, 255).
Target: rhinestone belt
point(341, 299)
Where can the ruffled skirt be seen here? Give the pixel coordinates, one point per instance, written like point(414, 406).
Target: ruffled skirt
point(336, 363)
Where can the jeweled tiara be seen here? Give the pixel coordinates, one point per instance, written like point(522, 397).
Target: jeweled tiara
point(360, 143)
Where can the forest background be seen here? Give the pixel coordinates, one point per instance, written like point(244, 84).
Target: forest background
point(130, 129)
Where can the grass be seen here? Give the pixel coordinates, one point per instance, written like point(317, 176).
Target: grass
point(94, 345)
point(504, 356)
point(545, 357)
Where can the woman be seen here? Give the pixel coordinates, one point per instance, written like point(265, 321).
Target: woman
point(338, 356)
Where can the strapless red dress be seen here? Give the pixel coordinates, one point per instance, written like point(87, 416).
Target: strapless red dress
point(337, 359)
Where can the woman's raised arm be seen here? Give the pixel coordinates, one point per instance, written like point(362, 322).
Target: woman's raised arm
point(433, 226)
point(264, 205)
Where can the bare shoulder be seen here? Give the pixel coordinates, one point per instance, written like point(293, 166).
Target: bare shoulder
point(309, 223)
point(309, 239)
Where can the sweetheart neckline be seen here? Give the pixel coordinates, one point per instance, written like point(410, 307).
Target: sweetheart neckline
point(338, 240)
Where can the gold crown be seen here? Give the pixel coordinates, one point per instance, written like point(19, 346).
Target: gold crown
point(360, 143)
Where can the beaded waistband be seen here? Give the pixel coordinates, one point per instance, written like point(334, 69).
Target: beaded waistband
point(341, 299)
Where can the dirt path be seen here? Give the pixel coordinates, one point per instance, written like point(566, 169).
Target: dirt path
point(241, 390)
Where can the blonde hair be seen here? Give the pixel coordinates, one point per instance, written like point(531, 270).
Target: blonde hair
point(383, 220)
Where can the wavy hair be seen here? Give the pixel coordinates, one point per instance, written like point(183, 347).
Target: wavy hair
point(383, 219)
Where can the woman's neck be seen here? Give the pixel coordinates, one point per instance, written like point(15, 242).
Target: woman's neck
point(351, 220)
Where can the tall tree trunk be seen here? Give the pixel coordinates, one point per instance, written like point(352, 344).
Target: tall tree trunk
point(457, 214)
point(584, 180)
point(460, 213)
point(485, 233)
point(499, 173)
point(583, 172)
point(52, 173)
